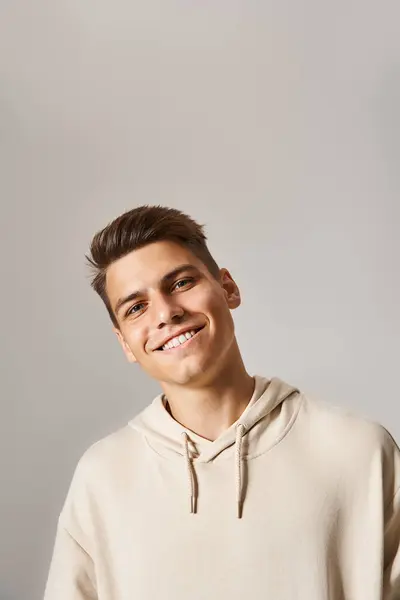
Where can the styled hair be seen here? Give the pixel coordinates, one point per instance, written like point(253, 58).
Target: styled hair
point(135, 229)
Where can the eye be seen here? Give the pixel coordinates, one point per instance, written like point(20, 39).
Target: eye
point(131, 310)
point(186, 280)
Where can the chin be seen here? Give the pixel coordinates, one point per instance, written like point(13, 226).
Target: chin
point(194, 375)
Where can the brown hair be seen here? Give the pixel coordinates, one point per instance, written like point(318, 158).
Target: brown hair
point(137, 228)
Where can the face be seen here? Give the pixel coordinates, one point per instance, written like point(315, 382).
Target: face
point(161, 291)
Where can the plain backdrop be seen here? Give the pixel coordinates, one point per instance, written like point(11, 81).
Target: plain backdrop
point(275, 124)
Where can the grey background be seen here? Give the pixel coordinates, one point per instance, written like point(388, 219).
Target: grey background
point(276, 124)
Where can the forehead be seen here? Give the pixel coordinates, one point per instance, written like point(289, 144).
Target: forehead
point(144, 267)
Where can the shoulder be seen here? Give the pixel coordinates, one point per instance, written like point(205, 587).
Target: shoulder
point(105, 461)
point(111, 450)
point(351, 438)
point(342, 424)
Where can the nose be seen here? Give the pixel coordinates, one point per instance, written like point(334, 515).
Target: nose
point(166, 310)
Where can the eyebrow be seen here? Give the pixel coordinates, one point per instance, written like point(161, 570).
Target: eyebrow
point(165, 279)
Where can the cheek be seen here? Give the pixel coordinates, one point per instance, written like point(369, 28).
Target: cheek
point(136, 338)
point(217, 309)
point(208, 300)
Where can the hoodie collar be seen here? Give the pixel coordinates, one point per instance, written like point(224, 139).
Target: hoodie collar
point(164, 434)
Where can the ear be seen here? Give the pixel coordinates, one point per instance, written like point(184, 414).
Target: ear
point(127, 351)
point(232, 292)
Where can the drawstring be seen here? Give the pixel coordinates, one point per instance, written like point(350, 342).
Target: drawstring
point(189, 472)
point(240, 430)
point(238, 467)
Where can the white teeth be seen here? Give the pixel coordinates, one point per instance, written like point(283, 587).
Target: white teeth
point(177, 341)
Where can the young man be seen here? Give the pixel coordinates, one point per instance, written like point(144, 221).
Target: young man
point(226, 486)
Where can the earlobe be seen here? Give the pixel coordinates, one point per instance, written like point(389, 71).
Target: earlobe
point(234, 299)
point(127, 351)
point(232, 292)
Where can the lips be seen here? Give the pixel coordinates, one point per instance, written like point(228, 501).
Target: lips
point(195, 329)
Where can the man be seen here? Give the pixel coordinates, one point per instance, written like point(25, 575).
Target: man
point(227, 485)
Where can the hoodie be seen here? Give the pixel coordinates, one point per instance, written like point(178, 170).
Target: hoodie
point(297, 499)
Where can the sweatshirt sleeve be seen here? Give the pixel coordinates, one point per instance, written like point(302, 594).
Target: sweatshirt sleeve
point(71, 573)
point(391, 565)
point(391, 539)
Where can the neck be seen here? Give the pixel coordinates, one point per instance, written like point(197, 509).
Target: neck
point(208, 411)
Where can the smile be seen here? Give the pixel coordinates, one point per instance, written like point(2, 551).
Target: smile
point(179, 342)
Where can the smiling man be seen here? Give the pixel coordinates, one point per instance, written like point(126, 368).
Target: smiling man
point(226, 485)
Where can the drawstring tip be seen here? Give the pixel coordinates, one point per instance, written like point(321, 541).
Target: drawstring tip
point(239, 510)
point(192, 504)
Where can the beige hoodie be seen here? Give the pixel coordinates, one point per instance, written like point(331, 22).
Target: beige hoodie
point(296, 500)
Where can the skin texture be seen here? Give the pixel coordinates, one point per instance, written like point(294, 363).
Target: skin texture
point(205, 382)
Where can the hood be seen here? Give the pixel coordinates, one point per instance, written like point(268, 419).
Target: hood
point(267, 417)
